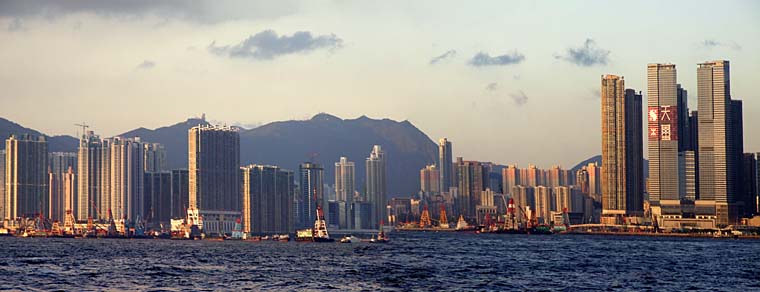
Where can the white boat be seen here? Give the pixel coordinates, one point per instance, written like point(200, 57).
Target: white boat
point(350, 239)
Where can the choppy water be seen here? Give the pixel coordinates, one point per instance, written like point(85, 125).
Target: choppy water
point(424, 261)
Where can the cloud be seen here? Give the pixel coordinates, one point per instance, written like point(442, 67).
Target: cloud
point(16, 25)
point(147, 64)
point(447, 55)
point(587, 55)
point(710, 43)
point(267, 45)
point(492, 86)
point(197, 11)
point(519, 98)
point(484, 59)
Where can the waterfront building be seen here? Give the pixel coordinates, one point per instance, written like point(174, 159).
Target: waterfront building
point(59, 165)
point(311, 193)
point(127, 176)
point(158, 198)
point(2, 185)
point(180, 193)
point(26, 179)
point(445, 165)
point(543, 204)
point(563, 199)
point(267, 198)
point(486, 207)
point(214, 165)
point(718, 171)
point(662, 116)
point(90, 168)
point(622, 154)
point(377, 185)
point(472, 179)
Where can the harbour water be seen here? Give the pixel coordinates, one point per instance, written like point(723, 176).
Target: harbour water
point(411, 261)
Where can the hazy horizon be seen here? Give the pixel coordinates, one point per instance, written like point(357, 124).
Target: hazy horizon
point(497, 78)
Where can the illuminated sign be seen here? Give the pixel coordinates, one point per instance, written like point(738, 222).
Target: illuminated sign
point(663, 123)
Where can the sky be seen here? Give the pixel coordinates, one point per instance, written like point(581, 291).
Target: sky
point(505, 81)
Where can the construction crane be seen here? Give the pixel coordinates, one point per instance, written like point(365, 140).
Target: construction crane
point(84, 128)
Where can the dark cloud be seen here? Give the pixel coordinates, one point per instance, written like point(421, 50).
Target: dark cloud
point(199, 11)
point(267, 45)
point(147, 64)
point(447, 55)
point(484, 59)
point(710, 43)
point(492, 86)
point(519, 98)
point(587, 55)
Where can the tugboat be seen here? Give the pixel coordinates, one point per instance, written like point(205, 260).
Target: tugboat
point(320, 228)
point(381, 237)
point(462, 225)
point(237, 232)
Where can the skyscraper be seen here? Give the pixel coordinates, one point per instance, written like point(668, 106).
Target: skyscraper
point(511, 176)
point(2, 185)
point(429, 181)
point(717, 171)
point(214, 169)
point(214, 163)
point(158, 198)
point(581, 180)
point(60, 163)
point(344, 180)
point(26, 178)
point(682, 101)
point(127, 176)
point(663, 138)
point(594, 180)
point(311, 193)
point(749, 175)
point(180, 193)
point(445, 164)
point(155, 157)
point(267, 197)
point(377, 184)
point(344, 191)
point(89, 182)
point(622, 156)
point(472, 178)
point(544, 201)
point(533, 176)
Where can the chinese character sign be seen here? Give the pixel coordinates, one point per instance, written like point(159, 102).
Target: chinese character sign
point(663, 123)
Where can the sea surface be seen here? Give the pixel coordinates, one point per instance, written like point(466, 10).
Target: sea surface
point(412, 261)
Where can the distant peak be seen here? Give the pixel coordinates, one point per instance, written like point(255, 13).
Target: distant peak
point(325, 117)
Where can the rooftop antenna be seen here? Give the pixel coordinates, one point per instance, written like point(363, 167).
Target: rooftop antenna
point(84, 128)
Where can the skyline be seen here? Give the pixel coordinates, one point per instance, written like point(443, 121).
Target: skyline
point(487, 77)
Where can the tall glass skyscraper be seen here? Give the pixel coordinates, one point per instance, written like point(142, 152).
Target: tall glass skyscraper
point(377, 185)
point(662, 116)
point(311, 192)
point(26, 189)
point(445, 165)
point(717, 168)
